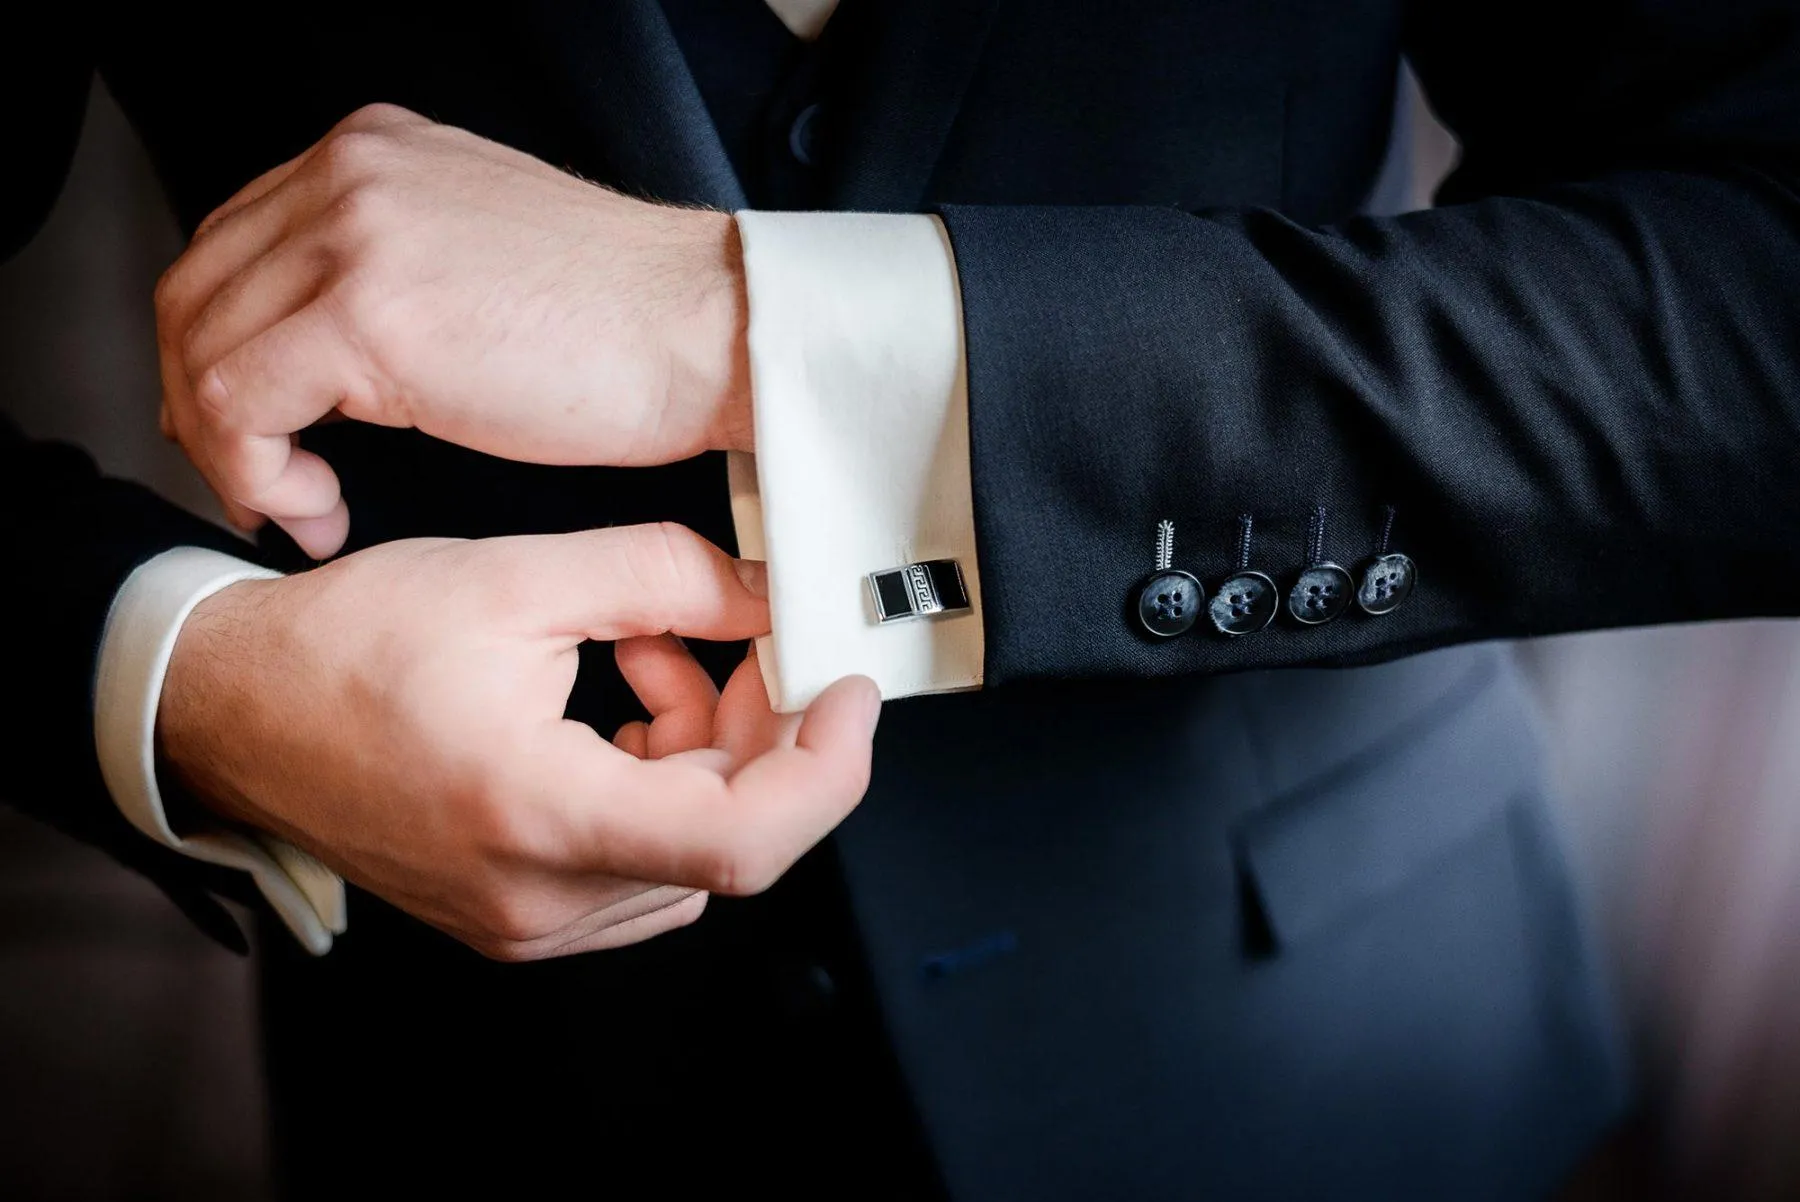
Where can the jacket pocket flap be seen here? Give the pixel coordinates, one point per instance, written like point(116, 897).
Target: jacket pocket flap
point(1317, 854)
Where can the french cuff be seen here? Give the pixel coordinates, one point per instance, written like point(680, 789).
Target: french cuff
point(861, 410)
point(141, 627)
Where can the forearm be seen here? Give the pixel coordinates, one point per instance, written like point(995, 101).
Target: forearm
point(1582, 404)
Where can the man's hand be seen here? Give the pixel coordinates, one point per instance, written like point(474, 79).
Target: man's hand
point(399, 714)
point(412, 274)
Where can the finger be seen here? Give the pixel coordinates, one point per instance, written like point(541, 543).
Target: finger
point(367, 119)
point(619, 903)
point(380, 116)
point(627, 581)
point(303, 497)
point(255, 220)
point(278, 383)
point(709, 759)
point(606, 936)
point(179, 424)
point(550, 913)
point(267, 290)
point(234, 236)
point(256, 398)
point(670, 820)
point(813, 783)
point(744, 725)
point(634, 739)
point(320, 537)
point(675, 689)
point(252, 192)
point(241, 517)
point(272, 474)
point(241, 231)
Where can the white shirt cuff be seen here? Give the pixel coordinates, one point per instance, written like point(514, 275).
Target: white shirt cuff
point(141, 628)
point(861, 407)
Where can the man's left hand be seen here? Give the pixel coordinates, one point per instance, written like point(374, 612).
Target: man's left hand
point(412, 274)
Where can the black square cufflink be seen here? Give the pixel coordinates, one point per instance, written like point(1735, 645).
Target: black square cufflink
point(918, 590)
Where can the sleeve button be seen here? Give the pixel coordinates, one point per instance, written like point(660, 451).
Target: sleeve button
point(1169, 603)
point(1321, 594)
point(1386, 584)
point(1244, 604)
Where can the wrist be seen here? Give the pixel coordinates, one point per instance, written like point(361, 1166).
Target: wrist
point(198, 691)
point(712, 359)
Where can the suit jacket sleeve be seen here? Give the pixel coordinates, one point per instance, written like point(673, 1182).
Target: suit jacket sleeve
point(1577, 381)
point(71, 537)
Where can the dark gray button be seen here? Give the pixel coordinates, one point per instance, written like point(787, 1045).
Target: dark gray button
point(1386, 583)
point(1321, 594)
point(803, 137)
point(1169, 604)
point(1245, 603)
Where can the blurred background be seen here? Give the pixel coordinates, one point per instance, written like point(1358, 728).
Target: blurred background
point(128, 1061)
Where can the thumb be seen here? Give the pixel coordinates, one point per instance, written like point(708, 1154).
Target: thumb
point(745, 724)
point(629, 581)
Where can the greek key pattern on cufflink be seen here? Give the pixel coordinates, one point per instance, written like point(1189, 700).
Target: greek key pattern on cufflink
point(919, 590)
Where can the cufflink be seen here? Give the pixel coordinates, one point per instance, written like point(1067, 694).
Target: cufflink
point(918, 590)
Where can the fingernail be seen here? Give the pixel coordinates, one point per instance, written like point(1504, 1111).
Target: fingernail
point(755, 575)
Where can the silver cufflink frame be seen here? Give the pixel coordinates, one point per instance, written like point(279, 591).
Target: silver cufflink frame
point(933, 588)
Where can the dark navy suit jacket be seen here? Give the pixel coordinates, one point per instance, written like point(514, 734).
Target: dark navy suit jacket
point(1133, 922)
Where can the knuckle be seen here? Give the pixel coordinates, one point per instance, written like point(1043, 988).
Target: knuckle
point(660, 557)
point(373, 115)
point(738, 872)
point(505, 918)
point(363, 214)
point(351, 152)
point(192, 347)
point(236, 478)
point(502, 951)
point(677, 543)
point(170, 292)
point(213, 396)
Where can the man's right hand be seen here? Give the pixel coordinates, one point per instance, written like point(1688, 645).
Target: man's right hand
point(399, 714)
